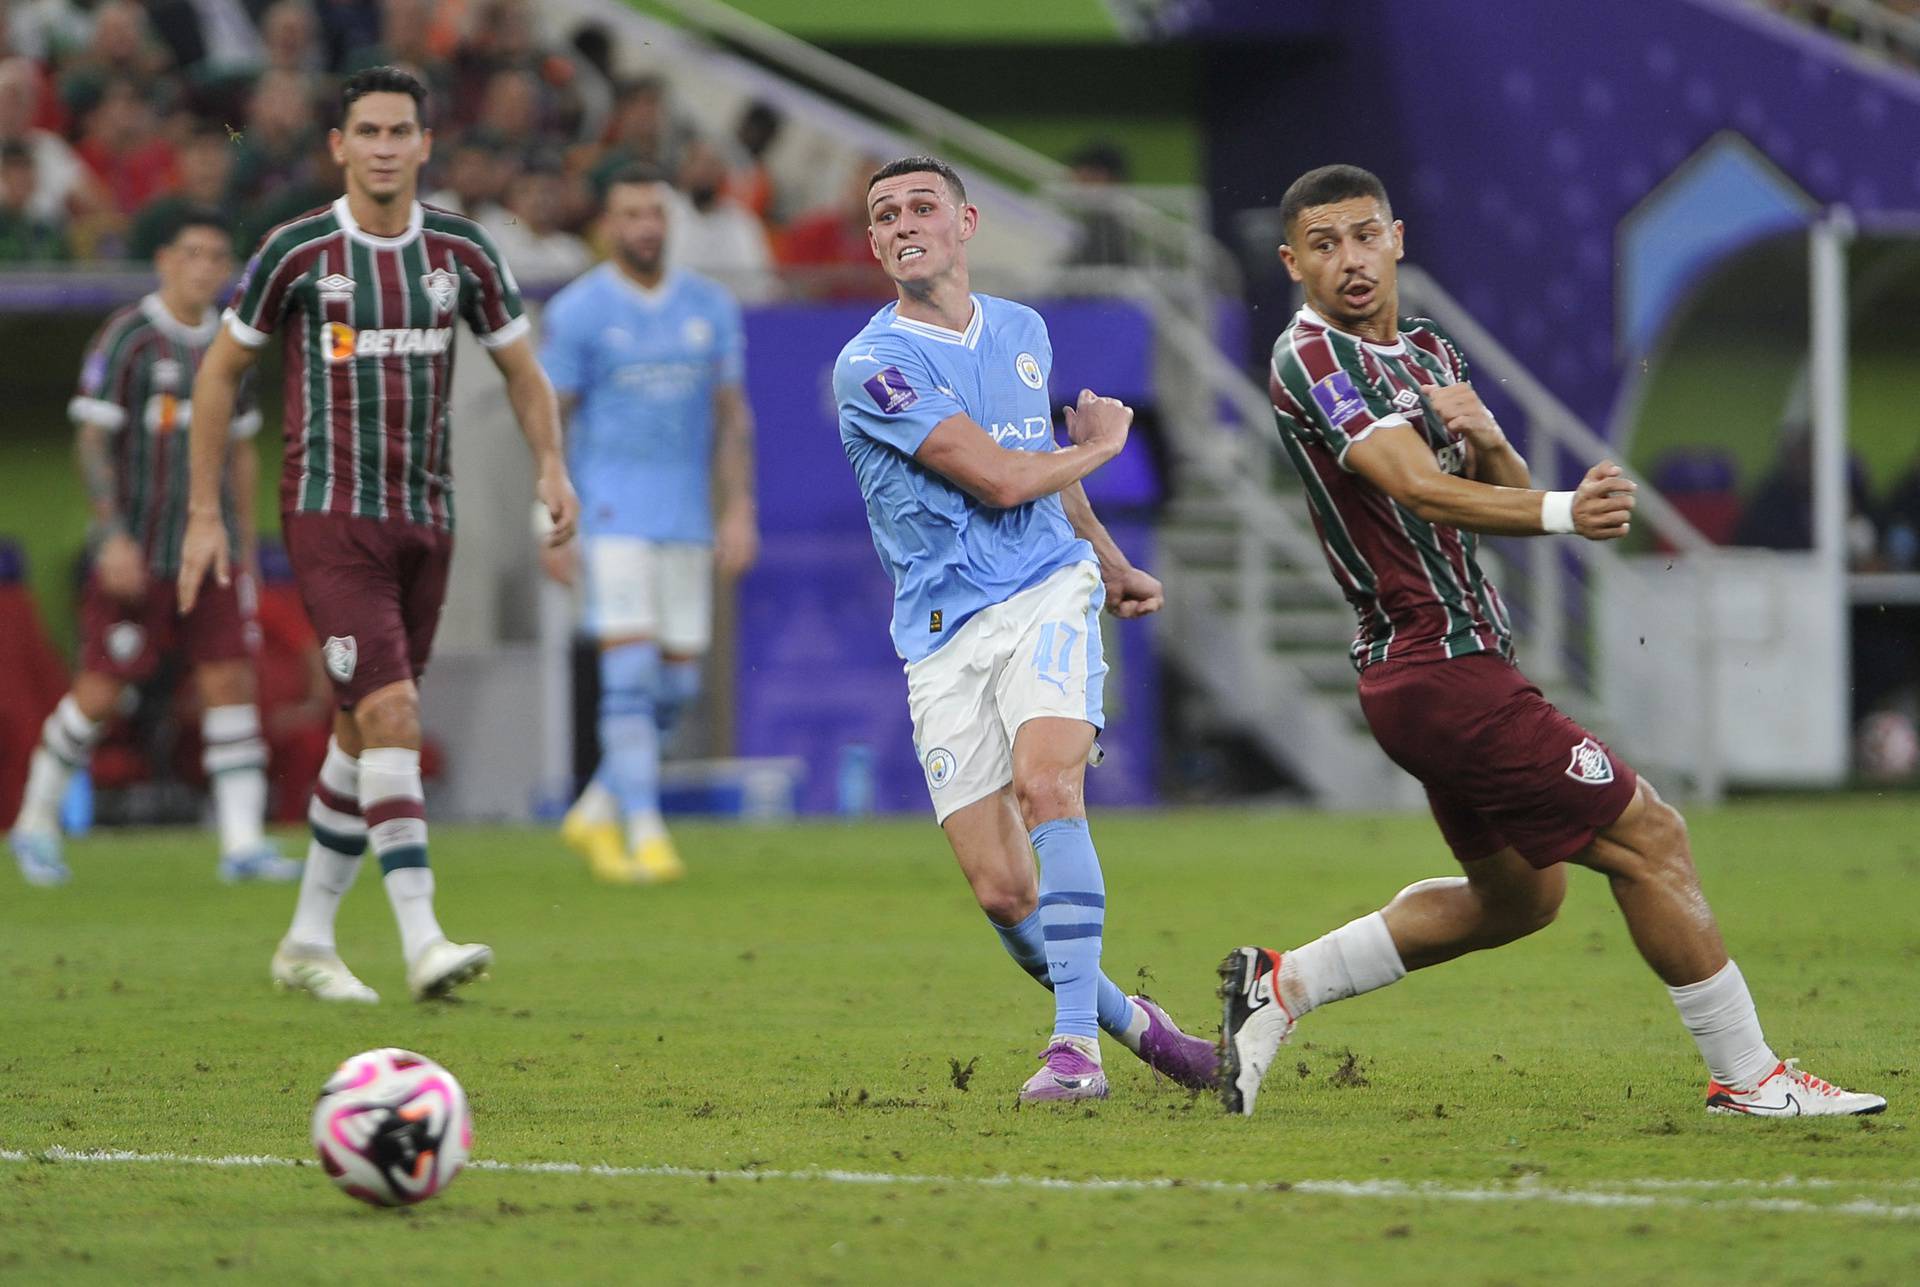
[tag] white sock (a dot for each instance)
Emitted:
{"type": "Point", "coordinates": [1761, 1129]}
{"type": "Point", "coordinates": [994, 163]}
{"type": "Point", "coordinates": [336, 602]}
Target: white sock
{"type": "Point", "coordinates": [410, 890]}
{"type": "Point", "coordinates": [236, 762]}
{"type": "Point", "coordinates": [1719, 1013]}
{"type": "Point", "coordinates": [644, 826]}
{"type": "Point", "coordinates": [596, 804]}
{"type": "Point", "coordinates": [66, 744]}
{"type": "Point", "coordinates": [393, 802]}
{"type": "Point", "coordinates": [1358, 957]}
{"type": "Point", "coordinates": [333, 855]}
{"type": "Point", "coordinates": [1136, 1027]}
{"type": "Point", "coordinates": [1088, 1046]}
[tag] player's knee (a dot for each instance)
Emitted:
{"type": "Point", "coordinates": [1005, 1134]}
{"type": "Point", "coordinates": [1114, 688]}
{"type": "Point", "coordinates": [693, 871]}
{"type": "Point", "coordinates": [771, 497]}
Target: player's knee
{"type": "Point", "coordinates": [1542, 908]}
{"type": "Point", "coordinates": [390, 717]}
{"type": "Point", "coordinates": [1046, 795]}
{"type": "Point", "coordinates": [1006, 901]}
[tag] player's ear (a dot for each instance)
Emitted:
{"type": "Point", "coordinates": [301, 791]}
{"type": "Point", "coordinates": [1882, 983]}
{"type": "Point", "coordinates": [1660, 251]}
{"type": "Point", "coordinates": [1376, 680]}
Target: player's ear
{"type": "Point", "coordinates": [873, 245]}
{"type": "Point", "coordinates": [1399, 240]}
{"type": "Point", "coordinates": [426, 144]}
{"type": "Point", "coordinates": [969, 221]}
{"type": "Point", "coordinates": [1286, 259]}
{"type": "Point", "coordinates": [336, 144]}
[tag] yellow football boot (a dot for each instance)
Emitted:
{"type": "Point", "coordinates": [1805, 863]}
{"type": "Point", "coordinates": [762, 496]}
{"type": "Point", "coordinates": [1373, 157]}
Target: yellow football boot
{"type": "Point", "coordinates": [656, 861]}
{"type": "Point", "coordinates": [602, 845]}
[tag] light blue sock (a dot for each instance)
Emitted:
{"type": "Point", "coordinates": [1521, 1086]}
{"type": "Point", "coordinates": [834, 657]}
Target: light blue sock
{"type": "Point", "coordinates": [1029, 951]}
{"type": "Point", "coordinates": [679, 685]}
{"type": "Point", "coordinates": [629, 733]}
{"type": "Point", "coordinates": [1073, 913]}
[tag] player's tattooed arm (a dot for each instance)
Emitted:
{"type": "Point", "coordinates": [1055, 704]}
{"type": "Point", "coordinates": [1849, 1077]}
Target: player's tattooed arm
{"type": "Point", "coordinates": [1130, 591]}
{"type": "Point", "coordinates": [1398, 461]}
{"type": "Point", "coordinates": [118, 560]}
{"type": "Point", "coordinates": [102, 484]}
{"type": "Point", "coordinates": [737, 534]}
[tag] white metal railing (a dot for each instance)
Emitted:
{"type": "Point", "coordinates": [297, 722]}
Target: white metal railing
{"type": "Point", "coordinates": [949, 130]}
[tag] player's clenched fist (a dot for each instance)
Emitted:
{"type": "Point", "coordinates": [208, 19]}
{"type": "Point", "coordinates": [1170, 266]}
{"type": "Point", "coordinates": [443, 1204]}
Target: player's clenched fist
{"type": "Point", "coordinates": [1461, 410]}
{"type": "Point", "coordinates": [1603, 503]}
{"type": "Point", "coordinates": [1095, 421]}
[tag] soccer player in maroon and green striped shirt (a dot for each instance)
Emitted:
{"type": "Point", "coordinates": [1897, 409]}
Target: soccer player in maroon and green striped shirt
{"type": "Point", "coordinates": [365, 294]}
{"type": "Point", "coordinates": [1405, 469]}
{"type": "Point", "coordinates": [130, 413]}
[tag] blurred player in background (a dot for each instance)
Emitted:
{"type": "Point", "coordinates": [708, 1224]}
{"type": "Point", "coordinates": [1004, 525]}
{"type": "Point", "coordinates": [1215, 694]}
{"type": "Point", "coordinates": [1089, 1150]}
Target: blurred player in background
{"type": "Point", "coordinates": [1404, 469]}
{"type": "Point", "coordinates": [1000, 570]}
{"type": "Point", "coordinates": [649, 367]}
{"type": "Point", "coordinates": [365, 293]}
{"type": "Point", "coordinates": [131, 413]}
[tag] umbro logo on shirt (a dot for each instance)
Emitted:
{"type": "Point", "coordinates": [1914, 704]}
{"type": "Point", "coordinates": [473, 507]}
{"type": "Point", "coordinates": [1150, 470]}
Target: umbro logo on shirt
{"type": "Point", "coordinates": [334, 287]}
{"type": "Point", "coordinates": [1406, 400]}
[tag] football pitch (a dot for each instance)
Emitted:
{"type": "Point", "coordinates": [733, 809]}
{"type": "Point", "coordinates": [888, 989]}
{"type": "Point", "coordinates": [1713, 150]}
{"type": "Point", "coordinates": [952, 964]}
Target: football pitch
{"type": "Point", "coordinates": [800, 1065]}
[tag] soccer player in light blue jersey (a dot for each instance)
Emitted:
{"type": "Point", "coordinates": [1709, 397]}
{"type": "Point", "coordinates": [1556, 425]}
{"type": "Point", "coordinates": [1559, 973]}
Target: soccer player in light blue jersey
{"type": "Point", "coordinates": [1000, 570]}
{"type": "Point", "coordinates": [649, 367]}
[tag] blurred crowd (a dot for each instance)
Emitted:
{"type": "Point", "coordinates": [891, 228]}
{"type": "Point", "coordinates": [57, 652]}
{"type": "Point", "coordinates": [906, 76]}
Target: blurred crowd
{"type": "Point", "coordinates": [114, 114]}
{"type": "Point", "coordinates": [1843, 21]}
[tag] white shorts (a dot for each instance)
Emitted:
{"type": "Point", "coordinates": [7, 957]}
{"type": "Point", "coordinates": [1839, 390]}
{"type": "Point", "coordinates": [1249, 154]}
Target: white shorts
{"type": "Point", "coordinates": [660, 591]}
{"type": "Point", "coordinates": [1037, 654]}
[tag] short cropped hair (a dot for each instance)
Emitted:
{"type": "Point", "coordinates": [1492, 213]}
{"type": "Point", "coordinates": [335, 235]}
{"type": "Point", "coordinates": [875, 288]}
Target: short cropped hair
{"type": "Point", "coordinates": [922, 165]}
{"type": "Point", "coordinates": [383, 80]}
{"type": "Point", "coordinates": [1328, 184]}
{"type": "Point", "coordinates": [638, 173]}
{"type": "Point", "coordinates": [196, 217]}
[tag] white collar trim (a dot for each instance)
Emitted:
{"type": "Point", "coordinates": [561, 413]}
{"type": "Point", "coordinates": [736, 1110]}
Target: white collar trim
{"type": "Point", "coordinates": [1395, 349]}
{"type": "Point", "coordinates": [161, 316]}
{"type": "Point", "coordinates": [416, 219]}
{"type": "Point", "coordinates": [652, 298]}
{"type": "Point", "coordinates": [969, 338]}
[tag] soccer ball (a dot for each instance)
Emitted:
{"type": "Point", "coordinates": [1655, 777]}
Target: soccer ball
{"type": "Point", "coordinates": [392, 1127]}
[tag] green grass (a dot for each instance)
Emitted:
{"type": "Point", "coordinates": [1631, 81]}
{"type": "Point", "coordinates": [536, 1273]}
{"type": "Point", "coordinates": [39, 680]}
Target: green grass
{"type": "Point", "coordinates": [801, 1001]}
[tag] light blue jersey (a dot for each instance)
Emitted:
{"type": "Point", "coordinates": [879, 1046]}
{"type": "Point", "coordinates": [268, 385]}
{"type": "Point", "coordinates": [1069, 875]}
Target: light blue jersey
{"type": "Point", "coordinates": [950, 555]}
{"type": "Point", "coordinates": [643, 366]}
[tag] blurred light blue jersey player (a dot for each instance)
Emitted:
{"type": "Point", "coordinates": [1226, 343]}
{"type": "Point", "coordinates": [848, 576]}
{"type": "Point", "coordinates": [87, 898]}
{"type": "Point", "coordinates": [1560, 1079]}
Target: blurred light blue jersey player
{"type": "Point", "coordinates": [649, 366]}
{"type": "Point", "coordinates": [1000, 570]}
{"type": "Point", "coordinates": [641, 368]}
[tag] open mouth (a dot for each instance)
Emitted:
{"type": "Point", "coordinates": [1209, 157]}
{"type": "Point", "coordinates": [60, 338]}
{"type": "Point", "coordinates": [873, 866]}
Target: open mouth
{"type": "Point", "coordinates": [911, 252]}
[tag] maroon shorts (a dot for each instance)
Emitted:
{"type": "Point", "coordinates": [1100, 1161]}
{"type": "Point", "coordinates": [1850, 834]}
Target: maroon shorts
{"type": "Point", "coordinates": [126, 639]}
{"type": "Point", "coordinates": [1501, 766]}
{"type": "Point", "coordinates": [373, 590]}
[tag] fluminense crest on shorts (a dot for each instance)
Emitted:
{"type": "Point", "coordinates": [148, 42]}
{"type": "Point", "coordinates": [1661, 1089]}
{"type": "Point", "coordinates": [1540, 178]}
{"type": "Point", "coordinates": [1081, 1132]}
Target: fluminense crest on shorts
{"type": "Point", "coordinates": [343, 655]}
{"type": "Point", "coordinates": [125, 639]}
{"type": "Point", "coordinates": [442, 288]}
{"type": "Point", "coordinates": [1590, 764]}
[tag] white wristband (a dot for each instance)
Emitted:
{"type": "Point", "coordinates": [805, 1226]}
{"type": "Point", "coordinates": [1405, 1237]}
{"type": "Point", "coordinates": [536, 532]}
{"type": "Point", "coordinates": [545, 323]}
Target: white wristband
{"type": "Point", "coordinates": [543, 521]}
{"type": "Point", "coordinates": [1556, 513]}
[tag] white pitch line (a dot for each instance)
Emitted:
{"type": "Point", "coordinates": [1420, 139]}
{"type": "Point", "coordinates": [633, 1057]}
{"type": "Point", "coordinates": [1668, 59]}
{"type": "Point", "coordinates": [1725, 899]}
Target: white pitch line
{"type": "Point", "coordinates": [1611, 1194]}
